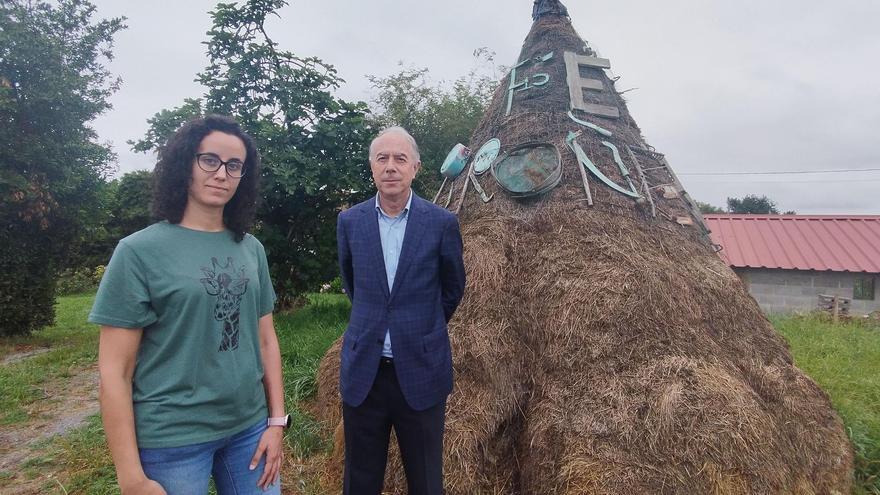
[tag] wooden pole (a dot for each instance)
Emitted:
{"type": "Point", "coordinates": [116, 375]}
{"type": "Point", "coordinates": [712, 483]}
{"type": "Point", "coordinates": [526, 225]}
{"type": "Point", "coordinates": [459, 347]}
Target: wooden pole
{"type": "Point", "coordinates": [645, 187]}
{"type": "Point", "coordinates": [463, 188]}
{"type": "Point", "coordinates": [584, 179]}
{"type": "Point", "coordinates": [835, 309]}
{"type": "Point", "coordinates": [440, 190]}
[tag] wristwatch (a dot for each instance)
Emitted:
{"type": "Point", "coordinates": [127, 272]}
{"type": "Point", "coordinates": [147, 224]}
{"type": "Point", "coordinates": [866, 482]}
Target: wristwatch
{"type": "Point", "coordinates": [283, 421]}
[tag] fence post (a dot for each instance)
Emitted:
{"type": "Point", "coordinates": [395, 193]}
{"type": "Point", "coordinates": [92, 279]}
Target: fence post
{"type": "Point", "coordinates": [836, 309]}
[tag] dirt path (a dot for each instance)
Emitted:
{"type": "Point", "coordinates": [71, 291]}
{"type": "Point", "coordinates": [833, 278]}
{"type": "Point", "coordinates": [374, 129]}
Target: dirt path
{"type": "Point", "coordinates": [21, 356]}
{"type": "Point", "coordinates": [65, 405]}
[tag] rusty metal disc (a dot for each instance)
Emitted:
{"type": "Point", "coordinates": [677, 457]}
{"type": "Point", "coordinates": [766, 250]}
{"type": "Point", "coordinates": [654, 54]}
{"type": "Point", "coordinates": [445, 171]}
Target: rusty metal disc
{"type": "Point", "coordinates": [529, 169]}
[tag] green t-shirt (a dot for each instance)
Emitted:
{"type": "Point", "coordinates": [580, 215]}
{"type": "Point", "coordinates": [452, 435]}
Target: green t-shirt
{"type": "Point", "coordinates": [198, 297]}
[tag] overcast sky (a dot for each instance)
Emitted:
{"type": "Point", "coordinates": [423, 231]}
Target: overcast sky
{"type": "Point", "coordinates": [721, 86]}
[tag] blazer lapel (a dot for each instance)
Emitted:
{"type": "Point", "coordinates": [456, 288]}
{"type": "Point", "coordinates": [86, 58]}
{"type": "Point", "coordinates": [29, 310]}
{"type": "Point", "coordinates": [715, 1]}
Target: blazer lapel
{"type": "Point", "coordinates": [371, 234]}
{"type": "Point", "coordinates": [415, 227]}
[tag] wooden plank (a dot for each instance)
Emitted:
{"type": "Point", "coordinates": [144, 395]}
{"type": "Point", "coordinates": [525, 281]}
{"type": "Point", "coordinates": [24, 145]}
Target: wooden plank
{"type": "Point", "coordinates": [440, 190]}
{"type": "Point", "coordinates": [645, 186]}
{"type": "Point", "coordinates": [836, 305]}
{"type": "Point", "coordinates": [690, 203]}
{"type": "Point", "coordinates": [601, 110]}
{"type": "Point", "coordinates": [670, 192]}
{"type": "Point", "coordinates": [577, 84]}
{"type": "Point", "coordinates": [836, 310]}
{"type": "Point", "coordinates": [591, 84]}
{"type": "Point", "coordinates": [599, 63]}
{"type": "Point", "coordinates": [586, 182]}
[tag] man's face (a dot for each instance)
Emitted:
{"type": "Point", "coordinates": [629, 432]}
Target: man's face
{"type": "Point", "coordinates": [394, 165]}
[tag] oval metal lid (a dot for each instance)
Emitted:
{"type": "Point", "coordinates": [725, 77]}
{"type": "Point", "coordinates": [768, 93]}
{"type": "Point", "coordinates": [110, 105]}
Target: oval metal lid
{"type": "Point", "coordinates": [532, 168]}
{"type": "Point", "coordinates": [455, 161]}
{"type": "Point", "coordinates": [486, 155]}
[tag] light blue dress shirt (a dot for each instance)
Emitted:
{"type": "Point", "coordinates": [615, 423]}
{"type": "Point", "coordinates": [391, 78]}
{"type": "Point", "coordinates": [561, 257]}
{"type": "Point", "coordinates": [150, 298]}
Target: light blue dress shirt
{"type": "Point", "coordinates": [391, 232]}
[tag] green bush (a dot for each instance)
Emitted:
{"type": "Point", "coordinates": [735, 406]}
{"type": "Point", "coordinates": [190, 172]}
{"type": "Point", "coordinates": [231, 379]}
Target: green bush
{"type": "Point", "coordinates": [79, 280]}
{"type": "Point", "coordinates": [334, 287]}
{"type": "Point", "coordinates": [27, 287]}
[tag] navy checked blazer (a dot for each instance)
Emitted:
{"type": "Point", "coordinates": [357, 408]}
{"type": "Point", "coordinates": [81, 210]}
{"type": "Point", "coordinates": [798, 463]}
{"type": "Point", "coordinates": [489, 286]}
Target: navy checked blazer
{"type": "Point", "coordinates": [428, 286]}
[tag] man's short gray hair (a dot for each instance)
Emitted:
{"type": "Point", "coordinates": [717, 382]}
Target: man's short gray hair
{"type": "Point", "coordinates": [399, 130]}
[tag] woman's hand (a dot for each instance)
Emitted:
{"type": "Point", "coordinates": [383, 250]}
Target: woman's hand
{"type": "Point", "coordinates": [270, 445]}
{"type": "Point", "coordinates": [272, 439]}
{"type": "Point", "coordinates": [143, 487]}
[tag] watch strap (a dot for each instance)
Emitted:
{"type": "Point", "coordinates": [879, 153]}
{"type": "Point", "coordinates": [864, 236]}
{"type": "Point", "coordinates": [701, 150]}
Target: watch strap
{"type": "Point", "coordinates": [283, 421]}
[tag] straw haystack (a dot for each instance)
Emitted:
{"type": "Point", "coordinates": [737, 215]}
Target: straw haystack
{"type": "Point", "coordinates": [606, 348]}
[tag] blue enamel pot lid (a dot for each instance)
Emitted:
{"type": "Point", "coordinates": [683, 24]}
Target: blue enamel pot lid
{"type": "Point", "coordinates": [486, 155]}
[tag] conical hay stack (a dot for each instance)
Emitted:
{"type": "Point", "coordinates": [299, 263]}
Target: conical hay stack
{"type": "Point", "coordinates": [602, 350]}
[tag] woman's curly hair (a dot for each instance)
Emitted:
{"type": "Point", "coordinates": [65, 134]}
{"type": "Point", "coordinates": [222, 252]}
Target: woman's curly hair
{"type": "Point", "coordinates": [173, 173]}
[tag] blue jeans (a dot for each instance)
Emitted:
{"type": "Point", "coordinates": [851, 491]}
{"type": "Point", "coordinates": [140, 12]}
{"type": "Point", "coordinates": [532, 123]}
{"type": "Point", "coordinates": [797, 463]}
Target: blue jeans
{"type": "Point", "coordinates": [187, 470]}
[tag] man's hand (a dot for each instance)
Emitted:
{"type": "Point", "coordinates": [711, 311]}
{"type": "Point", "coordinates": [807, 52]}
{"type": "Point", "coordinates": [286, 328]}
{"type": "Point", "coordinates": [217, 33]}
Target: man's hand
{"type": "Point", "coordinates": [143, 487]}
{"type": "Point", "coordinates": [270, 445]}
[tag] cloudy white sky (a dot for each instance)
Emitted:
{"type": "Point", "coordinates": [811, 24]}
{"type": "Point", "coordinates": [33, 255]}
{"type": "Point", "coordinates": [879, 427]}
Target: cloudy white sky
{"type": "Point", "coordinates": [787, 85]}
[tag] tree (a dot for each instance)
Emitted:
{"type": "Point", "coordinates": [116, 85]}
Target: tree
{"type": "Point", "coordinates": [131, 208]}
{"type": "Point", "coordinates": [437, 117]}
{"type": "Point", "coordinates": [709, 208]}
{"type": "Point", "coordinates": [313, 145]}
{"type": "Point", "coordinates": [94, 241]}
{"type": "Point", "coordinates": [53, 82]}
{"type": "Point", "coordinates": [124, 208]}
{"type": "Point", "coordinates": [752, 204]}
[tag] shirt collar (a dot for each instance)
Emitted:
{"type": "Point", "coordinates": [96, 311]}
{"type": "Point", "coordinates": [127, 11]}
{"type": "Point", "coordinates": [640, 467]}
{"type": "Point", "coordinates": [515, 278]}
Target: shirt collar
{"type": "Point", "coordinates": [405, 211]}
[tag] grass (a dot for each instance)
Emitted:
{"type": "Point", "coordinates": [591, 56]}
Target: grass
{"type": "Point", "coordinates": [844, 359]}
{"type": "Point", "coordinates": [72, 345]}
{"type": "Point", "coordinates": [304, 337]}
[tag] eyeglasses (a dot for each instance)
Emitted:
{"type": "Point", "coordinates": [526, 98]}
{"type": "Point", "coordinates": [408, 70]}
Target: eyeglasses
{"type": "Point", "coordinates": [209, 162]}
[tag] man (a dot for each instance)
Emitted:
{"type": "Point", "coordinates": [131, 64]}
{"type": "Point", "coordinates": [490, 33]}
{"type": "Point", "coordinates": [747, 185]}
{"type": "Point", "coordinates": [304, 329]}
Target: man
{"type": "Point", "coordinates": [401, 263]}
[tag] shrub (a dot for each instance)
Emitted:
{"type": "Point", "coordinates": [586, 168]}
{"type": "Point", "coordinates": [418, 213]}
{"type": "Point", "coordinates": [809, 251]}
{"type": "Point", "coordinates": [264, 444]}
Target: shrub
{"type": "Point", "coordinates": [335, 286]}
{"type": "Point", "coordinates": [79, 280]}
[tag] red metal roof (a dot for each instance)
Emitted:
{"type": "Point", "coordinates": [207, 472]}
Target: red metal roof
{"type": "Point", "coordinates": [799, 242]}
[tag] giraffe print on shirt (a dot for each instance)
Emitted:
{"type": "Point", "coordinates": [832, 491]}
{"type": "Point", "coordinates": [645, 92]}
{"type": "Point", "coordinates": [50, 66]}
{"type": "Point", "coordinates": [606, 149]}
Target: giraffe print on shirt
{"type": "Point", "coordinates": [228, 284]}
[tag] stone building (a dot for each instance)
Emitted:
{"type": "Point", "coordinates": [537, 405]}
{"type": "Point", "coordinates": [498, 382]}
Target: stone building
{"type": "Point", "coordinates": [787, 261]}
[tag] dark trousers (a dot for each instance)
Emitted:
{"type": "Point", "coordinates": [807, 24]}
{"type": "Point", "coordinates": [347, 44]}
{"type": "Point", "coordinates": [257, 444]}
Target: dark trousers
{"type": "Point", "coordinates": [367, 433]}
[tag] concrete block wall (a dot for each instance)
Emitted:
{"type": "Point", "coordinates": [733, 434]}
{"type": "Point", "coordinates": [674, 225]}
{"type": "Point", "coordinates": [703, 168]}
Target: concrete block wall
{"type": "Point", "coordinates": [789, 291]}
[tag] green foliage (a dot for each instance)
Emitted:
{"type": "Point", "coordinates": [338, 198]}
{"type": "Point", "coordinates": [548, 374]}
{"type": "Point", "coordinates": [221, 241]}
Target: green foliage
{"type": "Point", "coordinates": [756, 205]}
{"type": "Point", "coordinates": [844, 359]}
{"type": "Point", "coordinates": [165, 123]}
{"type": "Point", "coordinates": [335, 286]}
{"type": "Point", "coordinates": [52, 84]}
{"type": "Point", "coordinates": [708, 208]}
{"type": "Point", "coordinates": [313, 145]}
{"type": "Point", "coordinates": [304, 337]}
{"type": "Point", "coordinates": [79, 280]}
{"type": "Point", "coordinates": [437, 117]}
{"type": "Point", "coordinates": [91, 246]}
{"type": "Point", "coordinates": [124, 209]}
{"type": "Point", "coordinates": [131, 206]}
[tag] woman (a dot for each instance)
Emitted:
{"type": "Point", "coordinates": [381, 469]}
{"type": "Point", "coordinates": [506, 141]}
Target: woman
{"type": "Point", "coordinates": [189, 361]}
